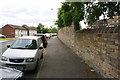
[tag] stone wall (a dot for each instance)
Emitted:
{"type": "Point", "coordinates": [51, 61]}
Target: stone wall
{"type": "Point", "coordinates": [98, 48]}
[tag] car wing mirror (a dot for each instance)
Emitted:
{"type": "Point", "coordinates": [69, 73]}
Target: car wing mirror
{"type": "Point", "coordinates": [8, 46]}
{"type": "Point", "coordinates": [40, 47]}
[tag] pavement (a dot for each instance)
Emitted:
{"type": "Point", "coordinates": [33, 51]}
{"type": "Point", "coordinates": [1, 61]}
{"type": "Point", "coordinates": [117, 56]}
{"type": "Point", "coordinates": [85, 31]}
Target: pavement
{"type": "Point", "coordinates": [61, 62]}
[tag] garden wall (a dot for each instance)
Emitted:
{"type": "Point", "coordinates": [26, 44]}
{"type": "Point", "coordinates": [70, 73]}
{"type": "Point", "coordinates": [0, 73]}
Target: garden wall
{"type": "Point", "coordinates": [99, 48]}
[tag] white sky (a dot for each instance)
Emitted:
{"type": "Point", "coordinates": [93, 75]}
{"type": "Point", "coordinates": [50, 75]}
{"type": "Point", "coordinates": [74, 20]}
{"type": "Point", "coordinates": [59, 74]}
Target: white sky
{"type": "Point", "coordinates": [29, 12]}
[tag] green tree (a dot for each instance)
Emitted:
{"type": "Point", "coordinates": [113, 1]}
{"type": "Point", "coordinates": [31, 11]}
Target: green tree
{"type": "Point", "coordinates": [45, 30]}
{"type": "Point", "coordinates": [93, 12]}
{"type": "Point", "coordinates": [54, 30]}
{"type": "Point", "coordinates": [78, 11]}
{"type": "Point", "coordinates": [70, 12]}
{"type": "Point", "coordinates": [40, 28]}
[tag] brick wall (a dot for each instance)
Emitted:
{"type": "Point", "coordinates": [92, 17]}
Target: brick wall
{"type": "Point", "coordinates": [8, 31]}
{"type": "Point", "coordinates": [98, 48]}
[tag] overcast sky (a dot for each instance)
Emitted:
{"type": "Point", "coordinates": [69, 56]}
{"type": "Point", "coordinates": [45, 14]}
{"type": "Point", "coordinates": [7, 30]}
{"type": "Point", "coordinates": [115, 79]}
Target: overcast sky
{"type": "Point", "coordinates": [29, 12]}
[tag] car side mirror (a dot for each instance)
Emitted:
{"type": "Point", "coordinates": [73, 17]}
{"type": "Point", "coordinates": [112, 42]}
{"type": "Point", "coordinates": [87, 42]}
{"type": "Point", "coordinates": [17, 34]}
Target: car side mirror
{"type": "Point", "coordinates": [8, 46]}
{"type": "Point", "coordinates": [40, 47]}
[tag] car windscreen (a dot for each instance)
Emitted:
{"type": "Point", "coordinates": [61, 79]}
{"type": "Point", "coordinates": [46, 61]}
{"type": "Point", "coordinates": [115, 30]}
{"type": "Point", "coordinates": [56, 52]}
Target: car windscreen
{"type": "Point", "coordinates": [24, 44]}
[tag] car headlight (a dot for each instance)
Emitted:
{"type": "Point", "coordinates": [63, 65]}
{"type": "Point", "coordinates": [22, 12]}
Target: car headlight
{"type": "Point", "coordinates": [30, 60]}
{"type": "Point", "coordinates": [4, 58]}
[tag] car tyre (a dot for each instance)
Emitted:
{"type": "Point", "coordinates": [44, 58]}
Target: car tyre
{"type": "Point", "coordinates": [36, 67]}
{"type": "Point", "coordinates": [45, 45]}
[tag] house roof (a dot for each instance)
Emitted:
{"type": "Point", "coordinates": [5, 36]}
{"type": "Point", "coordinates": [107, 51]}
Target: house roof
{"type": "Point", "coordinates": [22, 27]}
{"type": "Point", "coordinates": [30, 27]}
{"type": "Point", "coordinates": [16, 26]}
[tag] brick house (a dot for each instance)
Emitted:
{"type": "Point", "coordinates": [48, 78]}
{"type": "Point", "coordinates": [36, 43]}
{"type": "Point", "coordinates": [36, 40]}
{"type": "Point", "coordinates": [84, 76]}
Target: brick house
{"type": "Point", "coordinates": [100, 23]}
{"type": "Point", "coordinates": [31, 31]}
{"type": "Point", "coordinates": [12, 31]}
{"type": "Point", "coordinates": [114, 21]}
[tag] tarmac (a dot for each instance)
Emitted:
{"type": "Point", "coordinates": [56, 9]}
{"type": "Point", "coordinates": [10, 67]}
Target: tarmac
{"type": "Point", "coordinates": [61, 62]}
{"type": "Point", "coordinates": [1, 41]}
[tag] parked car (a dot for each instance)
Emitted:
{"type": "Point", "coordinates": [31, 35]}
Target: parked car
{"type": "Point", "coordinates": [10, 73]}
{"type": "Point", "coordinates": [24, 54]}
{"type": "Point", "coordinates": [43, 38]}
{"type": "Point", "coordinates": [54, 34]}
{"type": "Point", "coordinates": [88, 27]}
{"type": "Point", "coordinates": [2, 36]}
{"type": "Point", "coordinates": [48, 35]}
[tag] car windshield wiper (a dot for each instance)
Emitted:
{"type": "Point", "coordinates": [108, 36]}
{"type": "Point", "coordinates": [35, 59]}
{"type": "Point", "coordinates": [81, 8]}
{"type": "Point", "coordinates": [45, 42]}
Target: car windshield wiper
{"type": "Point", "coordinates": [18, 48]}
{"type": "Point", "coordinates": [31, 48]}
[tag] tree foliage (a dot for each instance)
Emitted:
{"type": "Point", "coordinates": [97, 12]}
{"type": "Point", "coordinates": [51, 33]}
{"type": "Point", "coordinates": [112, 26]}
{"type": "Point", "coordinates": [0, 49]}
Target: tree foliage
{"type": "Point", "coordinates": [70, 12]}
{"type": "Point", "coordinates": [78, 11]}
{"type": "Point", "coordinates": [64, 15]}
{"type": "Point", "coordinates": [107, 9]}
{"type": "Point", "coordinates": [42, 29]}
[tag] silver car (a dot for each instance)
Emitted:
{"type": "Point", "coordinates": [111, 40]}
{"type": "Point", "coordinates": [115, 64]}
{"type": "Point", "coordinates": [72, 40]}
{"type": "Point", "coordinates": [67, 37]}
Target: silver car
{"type": "Point", "coordinates": [2, 36]}
{"type": "Point", "coordinates": [24, 54]}
{"type": "Point", "coordinates": [10, 73]}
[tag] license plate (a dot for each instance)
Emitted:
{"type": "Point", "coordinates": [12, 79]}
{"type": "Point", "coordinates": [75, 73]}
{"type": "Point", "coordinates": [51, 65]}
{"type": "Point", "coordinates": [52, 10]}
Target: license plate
{"type": "Point", "coordinates": [19, 68]}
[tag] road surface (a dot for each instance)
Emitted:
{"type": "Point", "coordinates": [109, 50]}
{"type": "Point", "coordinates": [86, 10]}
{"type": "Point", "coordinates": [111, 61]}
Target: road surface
{"type": "Point", "coordinates": [3, 46]}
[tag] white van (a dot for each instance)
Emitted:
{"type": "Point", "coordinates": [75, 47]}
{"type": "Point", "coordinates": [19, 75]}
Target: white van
{"type": "Point", "coordinates": [24, 54]}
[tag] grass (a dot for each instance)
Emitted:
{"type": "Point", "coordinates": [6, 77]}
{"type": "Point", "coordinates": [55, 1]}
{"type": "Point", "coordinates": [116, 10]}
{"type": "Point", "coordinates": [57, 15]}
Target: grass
{"type": "Point", "coordinates": [5, 38]}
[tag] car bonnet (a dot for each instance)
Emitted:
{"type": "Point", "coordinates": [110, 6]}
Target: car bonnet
{"type": "Point", "coordinates": [19, 53]}
{"type": "Point", "coordinates": [6, 72]}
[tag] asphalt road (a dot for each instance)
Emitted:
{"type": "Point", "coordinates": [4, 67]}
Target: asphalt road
{"type": "Point", "coordinates": [3, 46]}
{"type": "Point", "coordinates": [59, 62]}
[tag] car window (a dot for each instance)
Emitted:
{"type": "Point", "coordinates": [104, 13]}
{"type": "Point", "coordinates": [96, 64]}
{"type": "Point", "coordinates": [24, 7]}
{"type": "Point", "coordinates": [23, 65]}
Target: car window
{"type": "Point", "coordinates": [24, 44]}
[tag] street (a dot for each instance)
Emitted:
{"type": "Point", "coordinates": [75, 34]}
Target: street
{"type": "Point", "coordinates": [59, 62]}
{"type": "Point", "coordinates": [3, 46]}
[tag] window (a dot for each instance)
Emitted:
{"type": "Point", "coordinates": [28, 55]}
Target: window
{"type": "Point", "coordinates": [16, 32]}
{"type": "Point", "coordinates": [21, 32]}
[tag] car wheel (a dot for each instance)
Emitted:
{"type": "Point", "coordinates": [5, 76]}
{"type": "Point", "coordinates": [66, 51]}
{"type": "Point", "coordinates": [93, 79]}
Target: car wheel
{"type": "Point", "coordinates": [36, 67]}
{"type": "Point", "coordinates": [45, 46]}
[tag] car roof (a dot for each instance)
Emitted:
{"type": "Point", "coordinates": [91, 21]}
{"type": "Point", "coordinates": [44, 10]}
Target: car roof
{"type": "Point", "coordinates": [29, 37]}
